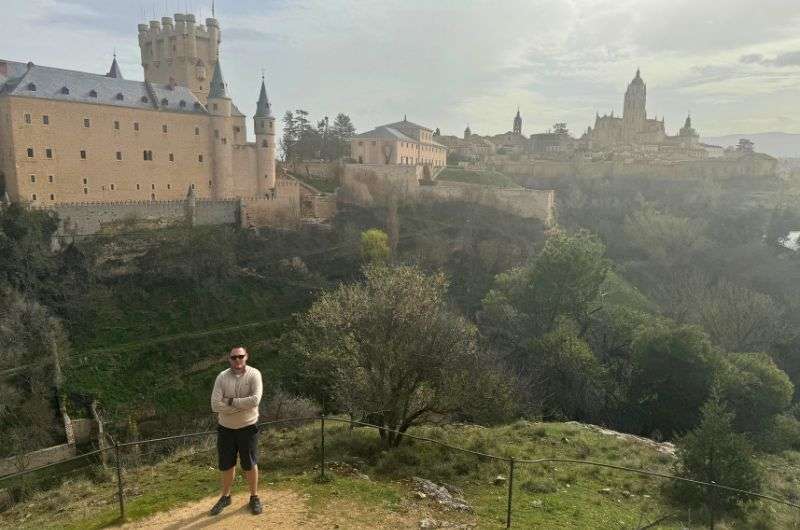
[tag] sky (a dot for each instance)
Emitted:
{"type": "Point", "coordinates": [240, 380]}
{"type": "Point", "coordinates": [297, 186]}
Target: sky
{"type": "Point", "coordinates": [734, 64]}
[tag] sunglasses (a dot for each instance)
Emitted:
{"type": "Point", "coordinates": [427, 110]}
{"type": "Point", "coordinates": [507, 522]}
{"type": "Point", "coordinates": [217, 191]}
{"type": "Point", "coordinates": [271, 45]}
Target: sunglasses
{"type": "Point", "coordinates": [237, 357]}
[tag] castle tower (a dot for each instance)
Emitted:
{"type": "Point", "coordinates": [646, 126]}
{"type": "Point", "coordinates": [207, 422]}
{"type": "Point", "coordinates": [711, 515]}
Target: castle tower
{"type": "Point", "coordinates": [518, 124]}
{"type": "Point", "coordinates": [467, 133]}
{"type": "Point", "coordinates": [182, 52]}
{"type": "Point", "coordinates": [264, 126]}
{"type": "Point", "coordinates": [219, 107]}
{"type": "Point", "coordinates": [634, 113]}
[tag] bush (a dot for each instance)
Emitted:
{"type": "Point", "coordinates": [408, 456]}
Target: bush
{"type": "Point", "coordinates": [781, 434]}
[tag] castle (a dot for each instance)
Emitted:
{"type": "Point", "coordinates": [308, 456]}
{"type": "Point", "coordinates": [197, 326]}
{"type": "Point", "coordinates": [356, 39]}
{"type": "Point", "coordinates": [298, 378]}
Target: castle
{"type": "Point", "coordinates": [68, 136]}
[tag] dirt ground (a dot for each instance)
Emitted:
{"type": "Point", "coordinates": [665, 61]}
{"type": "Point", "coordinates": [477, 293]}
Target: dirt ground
{"type": "Point", "coordinates": [284, 509]}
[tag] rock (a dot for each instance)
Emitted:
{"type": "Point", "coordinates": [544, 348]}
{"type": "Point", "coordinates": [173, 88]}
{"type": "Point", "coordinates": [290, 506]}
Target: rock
{"type": "Point", "coordinates": [429, 523]}
{"type": "Point", "coordinates": [420, 495]}
{"type": "Point", "coordinates": [537, 504]}
{"type": "Point", "coordinates": [440, 494]}
{"type": "Point", "coordinates": [606, 491]}
{"type": "Point", "coordinates": [499, 480]}
{"type": "Point", "coordinates": [626, 494]}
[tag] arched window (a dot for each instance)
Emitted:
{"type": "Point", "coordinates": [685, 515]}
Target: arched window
{"type": "Point", "coordinates": [31, 87]}
{"type": "Point", "coordinates": [93, 93]}
{"type": "Point", "coordinates": [119, 96]}
{"type": "Point", "coordinates": [144, 99]}
{"type": "Point", "coordinates": [164, 101]}
{"type": "Point", "coordinates": [182, 104]}
{"type": "Point", "coordinates": [64, 90]}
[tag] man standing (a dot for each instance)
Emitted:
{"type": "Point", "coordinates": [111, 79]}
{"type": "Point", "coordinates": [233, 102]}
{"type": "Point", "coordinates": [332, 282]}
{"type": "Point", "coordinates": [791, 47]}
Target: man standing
{"type": "Point", "coordinates": [235, 398]}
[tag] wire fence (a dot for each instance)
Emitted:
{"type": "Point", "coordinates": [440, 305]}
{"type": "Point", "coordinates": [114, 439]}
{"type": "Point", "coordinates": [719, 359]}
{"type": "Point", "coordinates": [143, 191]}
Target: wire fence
{"type": "Point", "coordinates": [138, 453]}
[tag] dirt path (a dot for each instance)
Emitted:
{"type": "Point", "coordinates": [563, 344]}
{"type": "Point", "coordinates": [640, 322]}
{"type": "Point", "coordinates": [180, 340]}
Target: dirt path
{"type": "Point", "coordinates": [283, 509]}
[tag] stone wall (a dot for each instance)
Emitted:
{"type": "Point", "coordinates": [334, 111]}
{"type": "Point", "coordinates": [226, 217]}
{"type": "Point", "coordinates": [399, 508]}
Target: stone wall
{"type": "Point", "coordinates": [42, 457]}
{"type": "Point", "coordinates": [532, 204]}
{"type": "Point", "coordinates": [81, 219]}
{"type": "Point", "coordinates": [368, 184]}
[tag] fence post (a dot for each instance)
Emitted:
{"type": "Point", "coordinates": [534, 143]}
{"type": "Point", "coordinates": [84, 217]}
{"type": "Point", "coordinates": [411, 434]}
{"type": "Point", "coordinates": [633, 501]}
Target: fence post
{"type": "Point", "coordinates": [712, 522]}
{"type": "Point", "coordinates": [119, 482]}
{"type": "Point", "coordinates": [510, 490]}
{"type": "Point", "coordinates": [322, 444]}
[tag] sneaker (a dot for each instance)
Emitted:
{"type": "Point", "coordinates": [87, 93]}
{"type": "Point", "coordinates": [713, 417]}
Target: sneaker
{"type": "Point", "coordinates": [255, 505]}
{"type": "Point", "coordinates": [223, 501]}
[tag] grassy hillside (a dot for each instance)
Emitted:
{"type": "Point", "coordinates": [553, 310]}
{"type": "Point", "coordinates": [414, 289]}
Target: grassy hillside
{"type": "Point", "coordinates": [483, 176]}
{"type": "Point", "coordinates": [545, 496]}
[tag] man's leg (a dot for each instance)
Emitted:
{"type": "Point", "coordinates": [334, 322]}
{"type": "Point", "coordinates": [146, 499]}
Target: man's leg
{"type": "Point", "coordinates": [227, 480]}
{"type": "Point", "coordinates": [252, 480]}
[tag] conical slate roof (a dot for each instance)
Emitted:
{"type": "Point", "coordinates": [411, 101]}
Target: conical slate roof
{"type": "Point", "coordinates": [114, 71]}
{"type": "Point", "coordinates": [263, 107]}
{"type": "Point", "coordinates": [217, 88]}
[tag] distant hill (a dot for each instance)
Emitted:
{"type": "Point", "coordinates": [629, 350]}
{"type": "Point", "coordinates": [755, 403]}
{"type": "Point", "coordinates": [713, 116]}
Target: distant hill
{"type": "Point", "coordinates": [777, 144]}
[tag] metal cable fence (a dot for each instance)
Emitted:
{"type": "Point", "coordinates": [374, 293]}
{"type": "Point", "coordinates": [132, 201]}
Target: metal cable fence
{"type": "Point", "coordinates": [124, 470]}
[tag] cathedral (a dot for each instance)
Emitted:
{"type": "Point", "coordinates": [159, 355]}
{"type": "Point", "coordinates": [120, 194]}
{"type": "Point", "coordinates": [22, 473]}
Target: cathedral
{"type": "Point", "coordinates": [635, 129]}
{"type": "Point", "coordinates": [68, 136]}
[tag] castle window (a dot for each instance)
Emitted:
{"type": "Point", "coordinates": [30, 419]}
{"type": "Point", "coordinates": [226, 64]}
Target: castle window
{"type": "Point", "coordinates": [27, 118]}
{"type": "Point", "coordinates": [224, 140]}
{"type": "Point", "coordinates": [216, 133]}
{"type": "Point", "coordinates": [116, 125]}
{"type": "Point", "coordinates": [172, 157]}
{"type": "Point", "coordinates": [164, 128]}
{"type": "Point", "coordinates": [33, 179]}
{"type": "Point", "coordinates": [119, 155]}
{"type": "Point", "coordinates": [50, 178]}
{"type": "Point", "coordinates": [31, 87]}
{"type": "Point", "coordinates": [182, 104]}
{"type": "Point", "coordinates": [138, 187]}
{"type": "Point", "coordinates": [45, 120]}
{"type": "Point", "coordinates": [33, 196]}
{"type": "Point", "coordinates": [30, 152]}
{"type": "Point", "coordinates": [64, 90]}
{"type": "Point", "coordinates": [215, 106]}
{"type": "Point", "coordinates": [165, 102]}
{"type": "Point", "coordinates": [52, 197]}
{"type": "Point", "coordinates": [85, 181]}
{"type": "Point", "coordinates": [136, 126]}
{"type": "Point", "coordinates": [119, 96]}
{"type": "Point", "coordinates": [152, 196]}
{"type": "Point", "coordinates": [93, 93]}
{"type": "Point", "coordinates": [112, 187]}
{"type": "Point", "coordinates": [86, 122]}
{"type": "Point", "coordinates": [86, 191]}
{"type": "Point", "coordinates": [148, 155]}
{"type": "Point", "coordinates": [193, 185]}
{"type": "Point", "coordinates": [209, 184]}
{"type": "Point", "coordinates": [144, 99]}
{"type": "Point", "coordinates": [197, 131]}
{"type": "Point", "coordinates": [48, 153]}
{"type": "Point", "coordinates": [200, 158]}
{"type": "Point", "coordinates": [169, 186]}
{"type": "Point", "coordinates": [236, 129]}
{"type": "Point", "coordinates": [83, 155]}
{"type": "Point", "coordinates": [152, 186]}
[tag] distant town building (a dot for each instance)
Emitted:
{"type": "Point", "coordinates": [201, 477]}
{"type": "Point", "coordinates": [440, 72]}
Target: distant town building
{"type": "Point", "coordinates": [745, 146]}
{"type": "Point", "coordinates": [401, 143]}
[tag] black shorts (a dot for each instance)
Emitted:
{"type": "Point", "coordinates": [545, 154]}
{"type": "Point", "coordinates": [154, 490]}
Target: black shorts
{"type": "Point", "coordinates": [243, 441]}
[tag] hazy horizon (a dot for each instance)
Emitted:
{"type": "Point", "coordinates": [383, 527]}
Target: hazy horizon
{"type": "Point", "coordinates": [735, 68]}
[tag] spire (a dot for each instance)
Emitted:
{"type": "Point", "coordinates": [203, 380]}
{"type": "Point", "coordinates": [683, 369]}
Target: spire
{"type": "Point", "coordinates": [263, 107]}
{"type": "Point", "coordinates": [638, 73]}
{"type": "Point", "coordinates": [217, 87]}
{"type": "Point", "coordinates": [114, 71]}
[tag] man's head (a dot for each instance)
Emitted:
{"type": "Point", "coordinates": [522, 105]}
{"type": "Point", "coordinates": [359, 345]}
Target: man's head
{"type": "Point", "coordinates": [238, 359]}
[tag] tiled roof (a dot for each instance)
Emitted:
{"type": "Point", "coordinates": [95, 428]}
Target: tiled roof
{"type": "Point", "coordinates": [70, 85]}
{"type": "Point", "coordinates": [387, 132]}
{"type": "Point", "coordinates": [406, 123]}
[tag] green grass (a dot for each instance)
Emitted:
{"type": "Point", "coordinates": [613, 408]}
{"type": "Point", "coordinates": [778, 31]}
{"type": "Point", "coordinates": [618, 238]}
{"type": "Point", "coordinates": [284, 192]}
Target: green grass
{"type": "Point", "coordinates": [545, 495]}
{"type": "Point", "coordinates": [485, 177]}
{"type": "Point", "coordinates": [322, 184]}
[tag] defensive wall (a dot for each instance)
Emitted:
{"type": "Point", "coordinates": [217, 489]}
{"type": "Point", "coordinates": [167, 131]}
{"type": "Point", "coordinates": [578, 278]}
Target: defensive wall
{"type": "Point", "coordinates": [369, 185]}
{"type": "Point", "coordinates": [83, 429]}
{"type": "Point", "coordinates": [87, 218]}
{"type": "Point", "coordinates": [757, 165]}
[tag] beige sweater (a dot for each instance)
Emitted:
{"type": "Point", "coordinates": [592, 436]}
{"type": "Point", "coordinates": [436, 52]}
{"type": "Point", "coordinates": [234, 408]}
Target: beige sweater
{"type": "Point", "coordinates": [245, 389]}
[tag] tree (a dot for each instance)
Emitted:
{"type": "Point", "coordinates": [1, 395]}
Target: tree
{"type": "Point", "coordinates": [341, 132]}
{"type": "Point", "coordinates": [290, 136]}
{"type": "Point", "coordinates": [713, 452]}
{"type": "Point", "coordinates": [375, 246]}
{"type": "Point", "coordinates": [563, 280]}
{"type": "Point", "coordinates": [754, 388]}
{"type": "Point", "coordinates": [673, 369]}
{"type": "Point", "coordinates": [666, 238]}
{"type": "Point", "coordinates": [389, 349]}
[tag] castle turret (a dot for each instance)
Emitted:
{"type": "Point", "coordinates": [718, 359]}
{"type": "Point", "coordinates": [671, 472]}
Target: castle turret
{"type": "Point", "coordinates": [219, 107]}
{"type": "Point", "coordinates": [264, 125]}
{"type": "Point", "coordinates": [518, 123]}
{"type": "Point", "coordinates": [467, 133]}
{"type": "Point", "coordinates": [114, 71]}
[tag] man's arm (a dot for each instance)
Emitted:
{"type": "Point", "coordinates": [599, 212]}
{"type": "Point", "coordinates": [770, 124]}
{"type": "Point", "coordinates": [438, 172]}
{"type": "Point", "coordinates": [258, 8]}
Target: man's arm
{"type": "Point", "coordinates": [219, 403]}
{"type": "Point", "coordinates": [253, 399]}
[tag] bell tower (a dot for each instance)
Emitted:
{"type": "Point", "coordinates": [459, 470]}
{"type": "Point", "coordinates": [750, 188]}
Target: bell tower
{"type": "Point", "coordinates": [264, 125]}
{"type": "Point", "coordinates": [180, 51]}
{"type": "Point", "coordinates": [634, 111]}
